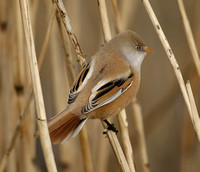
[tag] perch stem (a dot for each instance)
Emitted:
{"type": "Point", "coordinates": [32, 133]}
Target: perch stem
{"type": "Point", "coordinates": [37, 90]}
{"type": "Point", "coordinates": [171, 56]}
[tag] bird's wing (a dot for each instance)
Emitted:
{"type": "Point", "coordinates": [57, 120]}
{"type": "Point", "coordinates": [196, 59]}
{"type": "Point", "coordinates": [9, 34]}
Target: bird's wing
{"type": "Point", "coordinates": [79, 83]}
{"type": "Point", "coordinates": [107, 91]}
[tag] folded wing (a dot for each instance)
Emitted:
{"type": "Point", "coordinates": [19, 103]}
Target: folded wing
{"type": "Point", "coordinates": [107, 92]}
{"type": "Point", "coordinates": [79, 83]}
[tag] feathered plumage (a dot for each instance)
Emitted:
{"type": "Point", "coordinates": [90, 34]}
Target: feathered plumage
{"type": "Point", "coordinates": [103, 88]}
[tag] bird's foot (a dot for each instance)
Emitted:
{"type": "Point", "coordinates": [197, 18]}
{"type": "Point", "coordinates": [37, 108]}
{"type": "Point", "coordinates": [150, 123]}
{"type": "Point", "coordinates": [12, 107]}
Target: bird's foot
{"type": "Point", "coordinates": [110, 127]}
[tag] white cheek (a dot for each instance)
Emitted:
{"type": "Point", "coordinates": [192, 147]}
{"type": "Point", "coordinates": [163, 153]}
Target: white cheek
{"type": "Point", "coordinates": [135, 59]}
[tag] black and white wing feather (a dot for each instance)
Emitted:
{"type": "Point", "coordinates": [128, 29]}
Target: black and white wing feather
{"type": "Point", "coordinates": [107, 92]}
{"type": "Point", "coordinates": [79, 83]}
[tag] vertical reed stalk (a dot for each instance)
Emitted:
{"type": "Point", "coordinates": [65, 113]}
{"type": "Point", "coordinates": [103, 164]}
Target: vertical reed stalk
{"type": "Point", "coordinates": [117, 150]}
{"type": "Point", "coordinates": [71, 149]}
{"type": "Point", "coordinates": [83, 133]}
{"type": "Point", "coordinates": [128, 10]}
{"type": "Point", "coordinates": [23, 114]}
{"type": "Point", "coordinates": [128, 151]}
{"type": "Point", "coordinates": [189, 36]}
{"type": "Point", "coordinates": [137, 115]}
{"type": "Point", "coordinates": [42, 123]}
{"type": "Point", "coordinates": [172, 60]}
{"type": "Point", "coordinates": [46, 40]}
{"type": "Point", "coordinates": [6, 82]}
{"type": "Point", "coordinates": [26, 143]}
{"type": "Point", "coordinates": [72, 36]}
{"type": "Point", "coordinates": [139, 127]}
{"type": "Point", "coordinates": [11, 144]}
{"type": "Point", "coordinates": [104, 20]}
{"type": "Point", "coordinates": [194, 115]}
{"type": "Point", "coordinates": [103, 158]}
{"type": "Point", "coordinates": [123, 123]}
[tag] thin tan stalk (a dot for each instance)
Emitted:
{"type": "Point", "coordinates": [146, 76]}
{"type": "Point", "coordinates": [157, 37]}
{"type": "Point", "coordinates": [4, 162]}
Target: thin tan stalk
{"type": "Point", "coordinates": [17, 130]}
{"type": "Point", "coordinates": [189, 36]}
{"type": "Point", "coordinates": [188, 144]}
{"type": "Point", "coordinates": [47, 36]}
{"type": "Point", "coordinates": [128, 10]}
{"type": "Point", "coordinates": [85, 146]}
{"type": "Point", "coordinates": [122, 115]}
{"type": "Point", "coordinates": [169, 53]}
{"type": "Point", "coordinates": [153, 118]}
{"type": "Point", "coordinates": [117, 149]}
{"type": "Point", "coordinates": [39, 102]}
{"type": "Point", "coordinates": [137, 115]}
{"type": "Point", "coordinates": [34, 5]}
{"type": "Point", "coordinates": [69, 60]}
{"type": "Point", "coordinates": [61, 83]}
{"type": "Point", "coordinates": [196, 26]}
{"type": "Point", "coordinates": [67, 23]}
{"type": "Point", "coordinates": [188, 135]}
{"type": "Point", "coordinates": [104, 20]}
{"type": "Point", "coordinates": [7, 116]}
{"type": "Point", "coordinates": [6, 105]}
{"type": "Point", "coordinates": [123, 123]}
{"type": "Point", "coordinates": [103, 158]}
{"type": "Point", "coordinates": [11, 144]}
{"type": "Point", "coordinates": [138, 123]}
{"type": "Point", "coordinates": [118, 25]}
{"type": "Point", "coordinates": [83, 133]}
{"type": "Point", "coordinates": [25, 144]}
{"type": "Point", "coordinates": [194, 115]}
{"type": "Point", "coordinates": [87, 158]}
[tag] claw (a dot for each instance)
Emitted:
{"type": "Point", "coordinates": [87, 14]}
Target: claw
{"type": "Point", "coordinates": [110, 127]}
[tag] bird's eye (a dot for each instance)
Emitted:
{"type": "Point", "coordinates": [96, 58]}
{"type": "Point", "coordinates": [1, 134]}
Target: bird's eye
{"type": "Point", "coordinates": [137, 47]}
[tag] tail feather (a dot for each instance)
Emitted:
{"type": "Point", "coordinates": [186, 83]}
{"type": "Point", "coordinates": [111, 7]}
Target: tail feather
{"type": "Point", "coordinates": [64, 126]}
{"type": "Point", "coordinates": [79, 126]}
{"type": "Point", "coordinates": [59, 134]}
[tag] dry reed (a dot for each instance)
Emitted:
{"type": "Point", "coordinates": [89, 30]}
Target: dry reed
{"type": "Point", "coordinates": [83, 133]}
{"type": "Point", "coordinates": [167, 100]}
{"type": "Point", "coordinates": [14, 108]}
{"type": "Point", "coordinates": [122, 116]}
{"type": "Point", "coordinates": [194, 114]}
{"type": "Point", "coordinates": [128, 151]}
{"type": "Point", "coordinates": [139, 127]}
{"type": "Point", "coordinates": [67, 23]}
{"type": "Point", "coordinates": [60, 85]}
{"type": "Point", "coordinates": [17, 130]}
{"type": "Point", "coordinates": [137, 115]}
{"type": "Point", "coordinates": [5, 158]}
{"type": "Point", "coordinates": [47, 36]}
{"type": "Point", "coordinates": [189, 36]}
{"type": "Point", "coordinates": [188, 135]}
{"type": "Point", "coordinates": [174, 63]}
{"type": "Point", "coordinates": [42, 122]}
{"type": "Point", "coordinates": [117, 149]}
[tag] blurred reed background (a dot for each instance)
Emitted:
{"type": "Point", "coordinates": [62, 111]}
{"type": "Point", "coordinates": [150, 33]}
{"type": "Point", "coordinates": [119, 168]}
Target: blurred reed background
{"type": "Point", "coordinates": [171, 142]}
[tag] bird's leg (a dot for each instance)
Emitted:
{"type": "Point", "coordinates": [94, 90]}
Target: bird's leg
{"type": "Point", "coordinates": [110, 127]}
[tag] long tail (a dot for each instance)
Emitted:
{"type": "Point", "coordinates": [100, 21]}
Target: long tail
{"type": "Point", "coordinates": [64, 126]}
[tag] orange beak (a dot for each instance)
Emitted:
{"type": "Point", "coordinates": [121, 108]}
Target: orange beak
{"type": "Point", "coordinates": [148, 51]}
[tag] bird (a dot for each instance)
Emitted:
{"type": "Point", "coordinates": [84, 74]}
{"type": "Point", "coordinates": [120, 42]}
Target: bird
{"type": "Point", "coordinates": [104, 87]}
